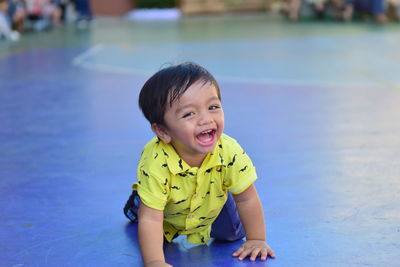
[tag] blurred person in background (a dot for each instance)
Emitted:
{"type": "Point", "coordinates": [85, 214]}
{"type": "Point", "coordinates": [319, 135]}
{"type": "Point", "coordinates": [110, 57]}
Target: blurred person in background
{"type": "Point", "coordinates": [5, 28]}
{"type": "Point", "coordinates": [365, 8]}
{"type": "Point", "coordinates": [393, 10]}
{"type": "Point", "coordinates": [291, 9]}
{"type": "Point", "coordinates": [17, 13]}
{"type": "Point", "coordinates": [43, 9]}
{"type": "Point", "coordinates": [62, 6]}
{"type": "Point", "coordinates": [84, 12]}
{"type": "Point", "coordinates": [318, 7]}
{"type": "Point", "coordinates": [59, 4]}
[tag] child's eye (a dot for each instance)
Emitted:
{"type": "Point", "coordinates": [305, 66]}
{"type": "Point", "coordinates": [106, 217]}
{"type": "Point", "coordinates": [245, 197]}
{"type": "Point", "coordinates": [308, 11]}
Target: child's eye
{"type": "Point", "coordinates": [213, 107]}
{"type": "Point", "coordinates": [188, 114]}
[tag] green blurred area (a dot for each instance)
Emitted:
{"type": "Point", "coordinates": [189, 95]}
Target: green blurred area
{"type": "Point", "coordinates": [155, 3]}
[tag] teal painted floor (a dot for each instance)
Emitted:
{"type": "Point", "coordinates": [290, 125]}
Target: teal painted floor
{"type": "Point", "coordinates": [316, 106]}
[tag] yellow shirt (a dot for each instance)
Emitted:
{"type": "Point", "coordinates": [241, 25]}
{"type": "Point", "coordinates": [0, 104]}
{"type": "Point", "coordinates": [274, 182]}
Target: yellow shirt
{"type": "Point", "coordinates": [192, 197]}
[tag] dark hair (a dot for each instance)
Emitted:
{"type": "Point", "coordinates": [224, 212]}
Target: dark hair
{"type": "Point", "coordinates": [168, 85]}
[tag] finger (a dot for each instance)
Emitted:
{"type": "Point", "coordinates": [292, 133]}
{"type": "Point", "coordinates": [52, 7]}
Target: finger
{"type": "Point", "coordinates": [264, 254]}
{"type": "Point", "coordinates": [238, 251]}
{"type": "Point", "coordinates": [246, 252]}
{"type": "Point", "coordinates": [254, 253]}
{"type": "Point", "coordinates": [271, 253]}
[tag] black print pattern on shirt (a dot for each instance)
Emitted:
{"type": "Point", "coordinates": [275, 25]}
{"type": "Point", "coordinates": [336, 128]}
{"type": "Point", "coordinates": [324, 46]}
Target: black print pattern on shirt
{"type": "Point", "coordinates": [156, 156]}
{"type": "Point", "coordinates": [230, 164]}
{"type": "Point", "coordinates": [202, 239]}
{"type": "Point", "coordinates": [196, 209]}
{"type": "Point", "coordinates": [221, 195]}
{"type": "Point", "coordinates": [175, 214]}
{"type": "Point", "coordinates": [181, 201]}
{"type": "Point", "coordinates": [219, 170]}
{"type": "Point", "coordinates": [209, 170]}
{"type": "Point", "coordinates": [190, 173]}
{"type": "Point", "coordinates": [145, 173]}
{"type": "Point", "coordinates": [164, 165]}
{"type": "Point", "coordinates": [206, 194]}
{"type": "Point", "coordinates": [166, 181]}
{"type": "Point", "coordinates": [182, 174]}
{"type": "Point", "coordinates": [165, 153]}
{"type": "Point", "coordinates": [220, 146]}
{"type": "Point", "coordinates": [221, 158]}
{"type": "Point", "coordinates": [180, 164]}
{"type": "Point", "coordinates": [175, 187]}
{"type": "Point", "coordinates": [205, 218]}
{"type": "Point", "coordinates": [242, 170]}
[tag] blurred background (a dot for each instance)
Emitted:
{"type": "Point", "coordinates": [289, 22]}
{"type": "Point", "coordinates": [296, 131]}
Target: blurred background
{"type": "Point", "coordinates": [17, 16]}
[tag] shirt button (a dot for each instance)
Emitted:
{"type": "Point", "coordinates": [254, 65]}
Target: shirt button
{"type": "Point", "coordinates": [190, 216]}
{"type": "Point", "coordinates": [195, 195]}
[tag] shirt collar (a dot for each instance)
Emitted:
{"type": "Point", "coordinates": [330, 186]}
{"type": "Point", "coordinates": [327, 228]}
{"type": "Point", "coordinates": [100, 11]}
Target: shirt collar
{"type": "Point", "coordinates": [177, 165]}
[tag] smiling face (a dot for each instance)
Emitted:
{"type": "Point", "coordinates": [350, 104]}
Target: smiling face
{"type": "Point", "coordinates": [193, 123]}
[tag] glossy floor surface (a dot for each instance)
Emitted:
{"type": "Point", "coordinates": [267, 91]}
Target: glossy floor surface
{"type": "Point", "coordinates": [316, 106]}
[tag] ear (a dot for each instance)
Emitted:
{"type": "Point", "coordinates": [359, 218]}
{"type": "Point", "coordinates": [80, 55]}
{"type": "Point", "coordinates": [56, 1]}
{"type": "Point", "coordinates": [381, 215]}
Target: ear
{"type": "Point", "coordinates": [161, 132]}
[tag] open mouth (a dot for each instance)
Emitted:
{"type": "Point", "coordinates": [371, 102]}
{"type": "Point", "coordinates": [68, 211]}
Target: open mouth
{"type": "Point", "coordinates": [206, 138]}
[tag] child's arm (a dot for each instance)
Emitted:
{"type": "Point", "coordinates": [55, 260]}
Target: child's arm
{"type": "Point", "coordinates": [151, 236]}
{"type": "Point", "coordinates": [251, 214]}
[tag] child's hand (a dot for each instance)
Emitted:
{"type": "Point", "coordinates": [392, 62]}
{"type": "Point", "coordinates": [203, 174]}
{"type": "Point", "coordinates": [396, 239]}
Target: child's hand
{"type": "Point", "coordinates": [254, 248]}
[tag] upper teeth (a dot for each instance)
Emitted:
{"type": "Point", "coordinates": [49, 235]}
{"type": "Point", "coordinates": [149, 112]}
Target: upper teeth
{"type": "Point", "coordinates": [206, 132]}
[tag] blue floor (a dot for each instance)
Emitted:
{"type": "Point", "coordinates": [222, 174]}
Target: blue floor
{"type": "Point", "coordinates": [316, 106]}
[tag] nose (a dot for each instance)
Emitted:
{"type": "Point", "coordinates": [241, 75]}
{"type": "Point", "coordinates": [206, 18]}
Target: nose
{"type": "Point", "coordinates": [205, 118]}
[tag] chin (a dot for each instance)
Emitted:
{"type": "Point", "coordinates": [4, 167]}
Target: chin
{"type": "Point", "coordinates": [207, 149]}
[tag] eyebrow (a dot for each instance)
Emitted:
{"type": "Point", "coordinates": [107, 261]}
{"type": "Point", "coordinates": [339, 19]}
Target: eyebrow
{"type": "Point", "coordinates": [179, 109]}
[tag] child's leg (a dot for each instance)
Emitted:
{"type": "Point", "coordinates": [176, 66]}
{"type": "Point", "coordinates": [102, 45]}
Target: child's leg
{"type": "Point", "coordinates": [228, 226]}
{"type": "Point", "coordinates": [132, 206]}
{"type": "Point", "coordinates": [131, 209]}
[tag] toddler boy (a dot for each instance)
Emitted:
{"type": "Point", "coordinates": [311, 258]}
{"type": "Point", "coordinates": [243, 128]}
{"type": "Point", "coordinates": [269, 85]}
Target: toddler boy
{"type": "Point", "coordinates": [191, 174]}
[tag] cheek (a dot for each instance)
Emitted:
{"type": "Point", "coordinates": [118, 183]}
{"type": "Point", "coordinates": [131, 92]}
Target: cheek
{"type": "Point", "coordinates": [221, 126]}
{"type": "Point", "coordinates": [221, 121]}
{"type": "Point", "coordinates": [184, 130]}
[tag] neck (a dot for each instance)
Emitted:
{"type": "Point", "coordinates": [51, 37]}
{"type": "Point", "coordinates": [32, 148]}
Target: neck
{"type": "Point", "coordinates": [195, 161]}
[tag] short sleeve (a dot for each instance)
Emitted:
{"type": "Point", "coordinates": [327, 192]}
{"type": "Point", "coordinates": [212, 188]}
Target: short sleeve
{"type": "Point", "coordinates": [240, 171]}
{"type": "Point", "coordinates": [153, 190]}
